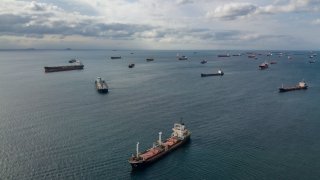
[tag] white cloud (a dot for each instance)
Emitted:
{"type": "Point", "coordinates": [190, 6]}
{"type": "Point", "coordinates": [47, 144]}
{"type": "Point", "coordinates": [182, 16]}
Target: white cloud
{"type": "Point", "coordinates": [146, 23]}
{"type": "Point", "coordinates": [316, 22]}
{"type": "Point", "coordinates": [185, 1]}
{"type": "Point", "coordinates": [232, 11]}
{"type": "Point", "coordinates": [292, 6]}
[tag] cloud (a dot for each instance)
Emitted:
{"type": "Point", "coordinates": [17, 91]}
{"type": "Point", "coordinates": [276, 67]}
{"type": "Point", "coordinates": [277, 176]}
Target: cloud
{"type": "Point", "coordinates": [37, 6]}
{"type": "Point", "coordinates": [182, 2]}
{"type": "Point", "coordinates": [293, 6]}
{"type": "Point", "coordinates": [316, 22]}
{"type": "Point", "coordinates": [232, 11]}
{"type": "Point", "coordinates": [180, 23]}
{"type": "Point", "coordinates": [40, 19]}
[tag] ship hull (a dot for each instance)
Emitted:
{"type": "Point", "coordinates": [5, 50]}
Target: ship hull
{"type": "Point", "coordinates": [103, 91]}
{"type": "Point", "coordinates": [143, 164]}
{"type": "Point", "coordinates": [102, 88]}
{"type": "Point", "coordinates": [115, 57]}
{"type": "Point", "coordinates": [292, 89]}
{"type": "Point", "coordinates": [263, 67]}
{"type": "Point", "coordinates": [215, 74]}
{"type": "Point", "coordinates": [62, 68]}
{"type": "Point", "coordinates": [223, 55]}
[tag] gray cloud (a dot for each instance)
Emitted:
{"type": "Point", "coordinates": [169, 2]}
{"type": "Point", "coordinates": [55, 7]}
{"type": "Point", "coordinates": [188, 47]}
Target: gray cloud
{"type": "Point", "coordinates": [45, 23]}
{"type": "Point", "coordinates": [232, 11]}
{"type": "Point", "coordinates": [37, 6]}
{"type": "Point", "coordinates": [182, 2]}
{"type": "Point", "coordinates": [38, 20]}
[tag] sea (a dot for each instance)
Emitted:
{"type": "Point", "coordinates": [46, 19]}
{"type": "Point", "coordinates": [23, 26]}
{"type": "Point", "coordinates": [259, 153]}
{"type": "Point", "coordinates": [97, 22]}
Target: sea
{"type": "Point", "coordinates": [57, 126]}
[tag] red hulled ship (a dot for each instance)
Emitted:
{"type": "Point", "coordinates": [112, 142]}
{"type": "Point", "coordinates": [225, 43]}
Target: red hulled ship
{"type": "Point", "coordinates": [180, 136]}
{"type": "Point", "coordinates": [263, 66]}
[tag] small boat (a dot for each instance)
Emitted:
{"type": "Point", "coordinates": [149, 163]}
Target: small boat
{"type": "Point", "coordinates": [131, 65]}
{"type": "Point", "coordinates": [273, 62]}
{"type": "Point", "coordinates": [223, 55]}
{"type": "Point", "coordinates": [220, 73]}
{"type": "Point", "coordinates": [182, 58]}
{"type": "Point", "coordinates": [180, 135]}
{"type": "Point", "coordinates": [101, 85]}
{"type": "Point", "coordinates": [263, 66]}
{"type": "Point", "coordinates": [115, 57]}
{"type": "Point", "coordinates": [251, 56]}
{"type": "Point", "coordinates": [149, 59]}
{"type": "Point", "coordinates": [236, 54]}
{"type": "Point", "coordinates": [203, 61]}
{"type": "Point", "coordinates": [301, 85]}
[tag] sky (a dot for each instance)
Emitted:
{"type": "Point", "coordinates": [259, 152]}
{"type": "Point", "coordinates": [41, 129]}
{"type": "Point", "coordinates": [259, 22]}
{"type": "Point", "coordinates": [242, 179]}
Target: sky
{"type": "Point", "coordinates": [160, 24]}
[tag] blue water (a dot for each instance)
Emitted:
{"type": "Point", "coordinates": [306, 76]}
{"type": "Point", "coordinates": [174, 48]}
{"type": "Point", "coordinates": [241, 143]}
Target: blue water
{"type": "Point", "coordinates": [56, 125]}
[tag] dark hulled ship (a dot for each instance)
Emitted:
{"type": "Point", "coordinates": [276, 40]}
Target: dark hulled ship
{"type": "Point", "coordinates": [115, 57]}
{"type": "Point", "coordinates": [101, 85]}
{"type": "Point", "coordinates": [77, 65]}
{"type": "Point", "coordinates": [220, 73]}
{"type": "Point", "coordinates": [302, 85]}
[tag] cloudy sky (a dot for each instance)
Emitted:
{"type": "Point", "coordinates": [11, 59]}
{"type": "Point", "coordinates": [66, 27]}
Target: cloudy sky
{"type": "Point", "coordinates": [160, 24]}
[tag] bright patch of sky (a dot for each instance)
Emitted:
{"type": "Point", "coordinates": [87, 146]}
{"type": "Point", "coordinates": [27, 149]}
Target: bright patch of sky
{"type": "Point", "coordinates": [165, 24]}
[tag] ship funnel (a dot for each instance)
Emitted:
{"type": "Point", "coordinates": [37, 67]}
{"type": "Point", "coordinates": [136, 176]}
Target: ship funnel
{"type": "Point", "coordinates": [160, 142]}
{"type": "Point", "coordinates": [137, 149]}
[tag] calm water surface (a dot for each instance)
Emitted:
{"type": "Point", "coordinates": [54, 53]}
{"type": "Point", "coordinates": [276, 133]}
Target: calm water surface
{"type": "Point", "coordinates": [56, 126]}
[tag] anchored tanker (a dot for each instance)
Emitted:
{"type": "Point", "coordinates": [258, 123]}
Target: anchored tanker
{"type": "Point", "coordinates": [73, 66]}
{"type": "Point", "coordinates": [180, 136]}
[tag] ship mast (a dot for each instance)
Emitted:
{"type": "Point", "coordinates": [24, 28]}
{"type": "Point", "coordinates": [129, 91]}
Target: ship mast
{"type": "Point", "coordinates": [137, 149]}
{"type": "Point", "coordinates": [159, 141]}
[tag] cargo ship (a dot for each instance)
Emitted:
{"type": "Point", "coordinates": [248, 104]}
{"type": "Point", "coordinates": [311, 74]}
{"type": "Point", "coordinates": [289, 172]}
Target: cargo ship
{"type": "Point", "coordinates": [77, 65]}
{"type": "Point", "coordinates": [182, 57]}
{"type": "Point", "coordinates": [223, 55]}
{"type": "Point", "coordinates": [300, 86]}
{"type": "Point", "coordinates": [203, 61]}
{"type": "Point", "coordinates": [263, 66]}
{"type": "Point", "coordinates": [220, 73]}
{"type": "Point", "coordinates": [101, 85]}
{"type": "Point", "coordinates": [115, 57]}
{"type": "Point", "coordinates": [180, 136]}
{"type": "Point", "coordinates": [252, 56]}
